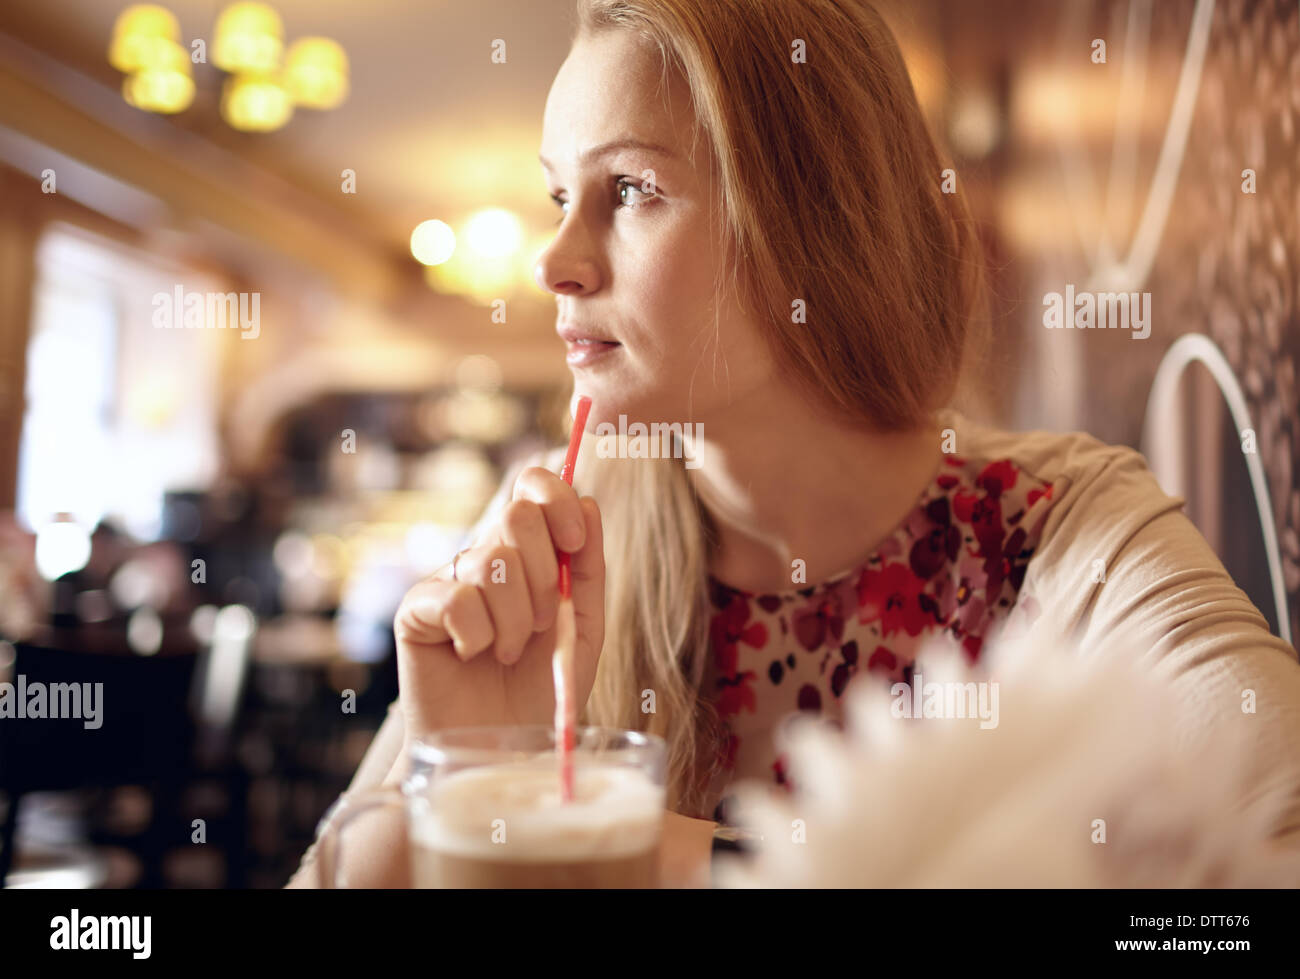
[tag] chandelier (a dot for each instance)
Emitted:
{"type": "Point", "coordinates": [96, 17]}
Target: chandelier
{"type": "Point", "coordinates": [264, 83]}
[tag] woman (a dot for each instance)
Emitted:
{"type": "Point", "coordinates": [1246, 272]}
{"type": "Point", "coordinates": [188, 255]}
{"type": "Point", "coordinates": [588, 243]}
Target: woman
{"type": "Point", "coordinates": [754, 240]}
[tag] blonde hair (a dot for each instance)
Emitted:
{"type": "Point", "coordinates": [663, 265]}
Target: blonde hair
{"type": "Point", "coordinates": [887, 265]}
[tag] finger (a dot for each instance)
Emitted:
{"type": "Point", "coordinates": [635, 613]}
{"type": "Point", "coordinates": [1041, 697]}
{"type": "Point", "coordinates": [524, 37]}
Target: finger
{"type": "Point", "coordinates": [588, 569]}
{"type": "Point", "coordinates": [523, 527]}
{"type": "Point", "coordinates": [559, 503]}
{"type": "Point", "coordinates": [436, 611]}
{"type": "Point", "coordinates": [498, 573]}
{"type": "Point", "coordinates": [588, 564]}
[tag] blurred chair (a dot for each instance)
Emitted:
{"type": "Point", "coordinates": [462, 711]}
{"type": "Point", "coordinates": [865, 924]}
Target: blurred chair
{"type": "Point", "coordinates": [148, 736]}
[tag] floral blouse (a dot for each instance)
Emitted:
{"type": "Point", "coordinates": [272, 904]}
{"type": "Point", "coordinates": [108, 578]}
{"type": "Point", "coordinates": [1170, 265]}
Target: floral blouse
{"type": "Point", "coordinates": [954, 563]}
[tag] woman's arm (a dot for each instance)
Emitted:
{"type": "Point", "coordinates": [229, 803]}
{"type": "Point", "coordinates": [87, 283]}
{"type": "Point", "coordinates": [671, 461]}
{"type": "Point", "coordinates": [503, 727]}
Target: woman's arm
{"type": "Point", "coordinates": [374, 848]}
{"type": "Point", "coordinates": [1166, 591]}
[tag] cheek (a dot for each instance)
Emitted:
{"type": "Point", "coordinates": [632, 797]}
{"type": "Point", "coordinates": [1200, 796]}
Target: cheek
{"type": "Point", "coordinates": [673, 294]}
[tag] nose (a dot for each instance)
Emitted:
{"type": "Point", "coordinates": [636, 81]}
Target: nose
{"type": "Point", "coordinates": [566, 267]}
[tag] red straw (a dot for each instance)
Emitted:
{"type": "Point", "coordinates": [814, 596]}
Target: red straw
{"type": "Point", "coordinates": [566, 630]}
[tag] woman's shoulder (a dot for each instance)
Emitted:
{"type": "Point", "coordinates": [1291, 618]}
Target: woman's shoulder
{"type": "Point", "coordinates": [1107, 481]}
{"type": "Point", "coordinates": [1076, 456]}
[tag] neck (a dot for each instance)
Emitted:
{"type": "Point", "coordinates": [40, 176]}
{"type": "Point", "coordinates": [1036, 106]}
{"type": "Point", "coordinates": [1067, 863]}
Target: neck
{"type": "Point", "coordinates": [784, 483]}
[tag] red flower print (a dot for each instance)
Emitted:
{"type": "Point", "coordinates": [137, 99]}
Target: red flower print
{"type": "Point", "coordinates": [963, 505]}
{"type": "Point", "coordinates": [940, 544]}
{"type": "Point", "coordinates": [735, 694]}
{"type": "Point", "coordinates": [892, 596]}
{"type": "Point", "coordinates": [728, 629]}
{"type": "Point", "coordinates": [823, 617]}
{"type": "Point", "coordinates": [809, 698]}
{"type": "Point", "coordinates": [997, 477]}
{"type": "Point", "coordinates": [882, 661]}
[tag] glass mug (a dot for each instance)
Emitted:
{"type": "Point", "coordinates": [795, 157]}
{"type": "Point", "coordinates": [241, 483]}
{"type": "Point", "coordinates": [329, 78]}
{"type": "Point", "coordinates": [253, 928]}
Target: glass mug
{"type": "Point", "coordinates": [483, 810]}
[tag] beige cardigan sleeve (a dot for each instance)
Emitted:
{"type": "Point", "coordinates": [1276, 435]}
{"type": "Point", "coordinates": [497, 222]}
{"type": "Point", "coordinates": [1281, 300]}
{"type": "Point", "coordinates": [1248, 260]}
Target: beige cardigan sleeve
{"type": "Point", "coordinates": [1119, 558]}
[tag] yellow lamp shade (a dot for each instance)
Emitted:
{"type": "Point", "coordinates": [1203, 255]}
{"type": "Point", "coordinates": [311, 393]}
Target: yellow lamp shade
{"type": "Point", "coordinates": [139, 33]}
{"type": "Point", "coordinates": [248, 38]}
{"type": "Point", "coordinates": [316, 71]}
{"type": "Point", "coordinates": [256, 103]}
{"type": "Point", "coordinates": [164, 84]}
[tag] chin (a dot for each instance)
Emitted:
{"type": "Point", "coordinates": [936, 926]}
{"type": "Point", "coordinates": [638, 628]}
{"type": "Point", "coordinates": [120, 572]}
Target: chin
{"type": "Point", "coordinates": [610, 399]}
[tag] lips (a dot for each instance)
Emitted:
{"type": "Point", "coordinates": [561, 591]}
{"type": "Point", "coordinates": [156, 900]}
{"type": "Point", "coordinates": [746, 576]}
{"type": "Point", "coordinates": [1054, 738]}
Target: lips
{"type": "Point", "coordinates": [586, 347]}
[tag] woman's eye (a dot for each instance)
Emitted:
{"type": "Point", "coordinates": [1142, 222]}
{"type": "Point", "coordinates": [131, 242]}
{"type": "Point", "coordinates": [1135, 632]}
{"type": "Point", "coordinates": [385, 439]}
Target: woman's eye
{"type": "Point", "coordinates": [626, 184]}
{"type": "Point", "coordinates": [564, 207]}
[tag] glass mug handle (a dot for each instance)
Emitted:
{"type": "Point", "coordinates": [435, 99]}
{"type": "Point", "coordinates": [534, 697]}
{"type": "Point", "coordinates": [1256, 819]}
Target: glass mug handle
{"type": "Point", "coordinates": [330, 831]}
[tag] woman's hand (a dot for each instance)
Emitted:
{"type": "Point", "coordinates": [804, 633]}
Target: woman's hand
{"type": "Point", "coordinates": [477, 649]}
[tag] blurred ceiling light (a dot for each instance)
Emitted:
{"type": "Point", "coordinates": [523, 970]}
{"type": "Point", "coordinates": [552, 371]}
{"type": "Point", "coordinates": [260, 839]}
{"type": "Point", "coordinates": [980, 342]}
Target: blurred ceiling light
{"type": "Point", "coordinates": [137, 34]}
{"type": "Point", "coordinates": [494, 233]}
{"type": "Point", "coordinates": [248, 38]}
{"type": "Point", "coordinates": [164, 85]}
{"type": "Point", "coordinates": [316, 71]}
{"type": "Point", "coordinates": [493, 264]}
{"type": "Point", "coordinates": [432, 242]}
{"type": "Point", "coordinates": [479, 281]}
{"type": "Point", "coordinates": [61, 548]}
{"type": "Point", "coordinates": [255, 103]}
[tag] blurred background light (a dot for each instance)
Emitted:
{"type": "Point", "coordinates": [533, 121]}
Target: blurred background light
{"type": "Point", "coordinates": [248, 38]}
{"type": "Point", "coordinates": [144, 631]}
{"type": "Point", "coordinates": [316, 72]}
{"type": "Point", "coordinates": [62, 546]}
{"type": "Point", "coordinates": [494, 233]}
{"type": "Point", "coordinates": [164, 83]}
{"type": "Point", "coordinates": [256, 103]}
{"type": "Point", "coordinates": [138, 34]}
{"type": "Point", "coordinates": [432, 242]}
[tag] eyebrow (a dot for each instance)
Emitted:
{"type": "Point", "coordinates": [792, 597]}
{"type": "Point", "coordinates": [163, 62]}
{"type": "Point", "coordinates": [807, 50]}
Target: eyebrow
{"type": "Point", "coordinates": [614, 146]}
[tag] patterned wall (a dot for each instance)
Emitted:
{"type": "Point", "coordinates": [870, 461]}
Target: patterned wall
{"type": "Point", "coordinates": [1073, 190]}
{"type": "Point", "coordinates": [1229, 262]}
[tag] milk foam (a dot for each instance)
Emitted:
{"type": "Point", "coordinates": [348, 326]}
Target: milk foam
{"type": "Point", "coordinates": [616, 812]}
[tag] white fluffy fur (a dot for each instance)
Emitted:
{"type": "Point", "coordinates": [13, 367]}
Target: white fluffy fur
{"type": "Point", "coordinates": [942, 803]}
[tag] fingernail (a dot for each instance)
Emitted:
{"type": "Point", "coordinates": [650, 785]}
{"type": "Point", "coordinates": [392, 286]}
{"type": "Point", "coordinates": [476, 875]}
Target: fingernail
{"type": "Point", "coordinates": [574, 533]}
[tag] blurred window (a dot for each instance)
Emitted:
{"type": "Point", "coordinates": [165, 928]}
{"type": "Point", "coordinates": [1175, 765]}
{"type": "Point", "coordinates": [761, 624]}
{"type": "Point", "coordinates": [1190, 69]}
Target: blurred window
{"type": "Point", "coordinates": [117, 411]}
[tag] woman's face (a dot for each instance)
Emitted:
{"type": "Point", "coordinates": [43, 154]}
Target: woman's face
{"type": "Point", "coordinates": [636, 256]}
